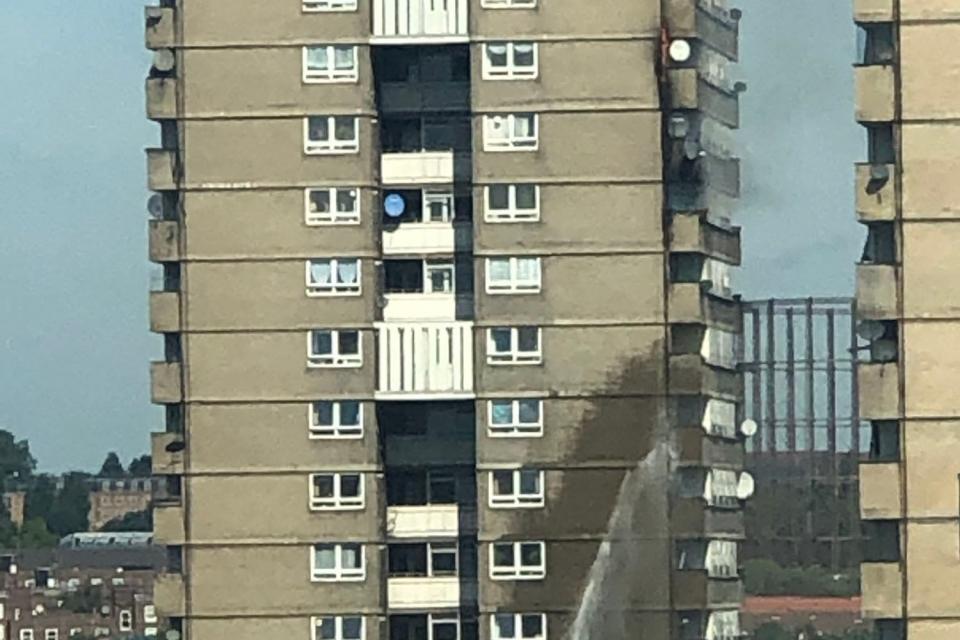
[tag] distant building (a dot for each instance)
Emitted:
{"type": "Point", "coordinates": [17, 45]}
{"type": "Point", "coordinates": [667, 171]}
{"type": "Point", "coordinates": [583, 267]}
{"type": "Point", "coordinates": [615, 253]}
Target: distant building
{"type": "Point", "coordinates": [99, 540]}
{"type": "Point", "coordinates": [60, 593]}
{"type": "Point", "coordinates": [115, 498]}
{"type": "Point", "coordinates": [15, 503]}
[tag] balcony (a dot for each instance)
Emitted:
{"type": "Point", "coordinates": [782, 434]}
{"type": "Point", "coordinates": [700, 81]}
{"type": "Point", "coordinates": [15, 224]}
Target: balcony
{"type": "Point", "coordinates": [160, 169]}
{"type": "Point", "coordinates": [882, 587]}
{"type": "Point", "coordinates": [166, 453]}
{"type": "Point", "coordinates": [418, 167]}
{"type": "Point", "coordinates": [696, 590]}
{"type": "Point", "coordinates": [400, 21]}
{"type": "Point", "coordinates": [876, 192]}
{"type": "Point", "coordinates": [165, 383]}
{"type": "Point", "coordinates": [423, 593]}
{"type": "Point", "coordinates": [165, 312]}
{"type": "Point", "coordinates": [693, 518]}
{"type": "Point", "coordinates": [414, 238]}
{"type": "Point", "coordinates": [879, 491]}
{"type": "Point", "coordinates": [689, 374]}
{"type": "Point", "coordinates": [873, 10]}
{"type": "Point", "coordinates": [161, 98]}
{"type": "Point", "coordinates": [168, 524]}
{"type": "Point", "coordinates": [164, 240]}
{"type": "Point", "coordinates": [689, 304]}
{"type": "Point", "coordinates": [877, 291]}
{"type": "Point", "coordinates": [160, 29]}
{"type": "Point", "coordinates": [714, 26]}
{"type": "Point", "coordinates": [689, 91]}
{"type": "Point", "coordinates": [695, 233]}
{"type": "Point", "coordinates": [169, 595]}
{"type": "Point", "coordinates": [427, 521]}
{"type": "Point", "coordinates": [430, 360]}
{"type": "Point", "coordinates": [879, 390]}
{"type": "Point", "coordinates": [875, 93]}
{"type": "Point", "coordinates": [404, 307]}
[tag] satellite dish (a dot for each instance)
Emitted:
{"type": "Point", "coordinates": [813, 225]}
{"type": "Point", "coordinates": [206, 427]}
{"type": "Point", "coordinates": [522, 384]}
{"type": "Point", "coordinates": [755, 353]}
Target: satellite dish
{"type": "Point", "coordinates": [164, 60]}
{"type": "Point", "coordinates": [870, 329]}
{"type": "Point", "coordinates": [680, 50]}
{"type": "Point", "coordinates": [736, 14]}
{"type": "Point", "coordinates": [748, 428]}
{"type": "Point", "coordinates": [746, 486]}
{"type": "Point", "coordinates": [155, 206]}
{"type": "Point", "coordinates": [176, 446]}
{"type": "Point", "coordinates": [884, 350]}
{"type": "Point", "coordinates": [394, 205]}
{"type": "Point", "coordinates": [173, 634]}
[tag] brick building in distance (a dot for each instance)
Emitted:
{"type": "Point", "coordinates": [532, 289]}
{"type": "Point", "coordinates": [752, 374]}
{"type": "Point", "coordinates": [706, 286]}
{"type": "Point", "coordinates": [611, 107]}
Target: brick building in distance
{"type": "Point", "coordinates": [115, 498]}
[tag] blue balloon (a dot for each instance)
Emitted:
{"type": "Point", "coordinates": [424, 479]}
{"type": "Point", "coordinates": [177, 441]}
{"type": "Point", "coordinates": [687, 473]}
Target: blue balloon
{"type": "Point", "coordinates": [394, 205]}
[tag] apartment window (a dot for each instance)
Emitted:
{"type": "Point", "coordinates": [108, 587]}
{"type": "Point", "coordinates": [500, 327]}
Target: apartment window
{"type": "Point", "coordinates": [310, 6]}
{"type": "Point", "coordinates": [333, 277]}
{"type": "Point", "coordinates": [444, 626]}
{"type": "Point", "coordinates": [438, 276]}
{"type": "Point", "coordinates": [330, 64]}
{"type": "Point", "coordinates": [509, 60]}
{"type": "Point", "coordinates": [150, 632]}
{"type": "Point", "coordinates": [337, 563]}
{"type": "Point", "coordinates": [433, 559]}
{"type": "Point", "coordinates": [720, 488]}
{"type": "Point", "coordinates": [720, 418]}
{"type": "Point", "coordinates": [126, 620]}
{"type": "Point", "coordinates": [76, 631]}
{"type": "Point", "coordinates": [331, 134]}
{"type": "Point", "coordinates": [149, 613]}
{"type": "Point", "coordinates": [508, 4]}
{"type": "Point", "coordinates": [516, 488]}
{"type": "Point", "coordinates": [513, 275]}
{"type": "Point", "coordinates": [334, 348]}
{"type": "Point", "coordinates": [517, 561]}
{"type": "Point", "coordinates": [336, 491]}
{"type": "Point", "coordinates": [332, 206]}
{"type": "Point", "coordinates": [336, 419]}
{"type": "Point", "coordinates": [515, 417]}
{"type": "Point", "coordinates": [512, 203]}
{"type": "Point", "coordinates": [54, 634]}
{"type": "Point", "coordinates": [514, 345]}
{"type": "Point", "coordinates": [26, 634]}
{"type": "Point", "coordinates": [508, 132]}
{"type": "Point", "coordinates": [518, 626]}
{"type": "Point", "coordinates": [337, 628]}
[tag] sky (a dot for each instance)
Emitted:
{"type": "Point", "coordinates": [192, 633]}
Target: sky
{"type": "Point", "coordinates": [74, 339]}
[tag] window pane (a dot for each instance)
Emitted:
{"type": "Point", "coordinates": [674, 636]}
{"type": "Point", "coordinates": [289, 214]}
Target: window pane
{"type": "Point", "coordinates": [350, 413]}
{"type": "Point", "coordinates": [501, 412]}
{"type": "Point", "coordinates": [345, 128]}
{"type": "Point", "coordinates": [499, 196]}
{"type": "Point", "coordinates": [322, 342]}
{"type": "Point", "coordinates": [444, 562]}
{"type": "Point", "coordinates": [526, 196]}
{"type": "Point", "coordinates": [530, 411]}
{"type": "Point", "coordinates": [528, 339]}
{"type": "Point", "coordinates": [317, 58]}
{"type": "Point", "coordinates": [325, 556]}
{"type": "Point", "coordinates": [327, 628]}
{"type": "Point", "coordinates": [347, 271]}
{"type": "Point", "coordinates": [532, 626]}
{"type": "Point", "coordinates": [528, 269]}
{"type": "Point", "coordinates": [352, 628]}
{"type": "Point", "coordinates": [319, 128]}
{"type": "Point", "coordinates": [497, 128]}
{"type": "Point", "coordinates": [320, 272]}
{"type": "Point", "coordinates": [506, 626]}
{"type": "Point", "coordinates": [529, 482]}
{"type": "Point", "coordinates": [499, 270]}
{"type": "Point", "coordinates": [530, 555]}
{"type": "Point", "coordinates": [323, 414]}
{"type": "Point", "coordinates": [323, 486]}
{"type": "Point", "coordinates": [445, 631]}
{"type": "Point", "coordinates": [350, 556]}
{"type": "Point", "coordinates": [349, 343]}
{"type": "Point", "coordinates": [343, 59]}
{"type": "Point", "coordinates": [346, 200]}
{"type": "Point", "coordinates": [443, 489]}
{"type": "Point", "coordinates": [497, 54]}
{"type": "Point", "coordinates": [501, 340]}
{"type": "Point", "coordinates": [503, 555]}
{"type": "Point", "coordinates": [320, 201]}
{"type": "Point", "coordinates": [350, 486]}
{"type": "Point", "coordinates": [523, 54]}
{"type": "Point", "coordinates": [523, 126]}
{"type": "Point", "coordinates": [502, 483]}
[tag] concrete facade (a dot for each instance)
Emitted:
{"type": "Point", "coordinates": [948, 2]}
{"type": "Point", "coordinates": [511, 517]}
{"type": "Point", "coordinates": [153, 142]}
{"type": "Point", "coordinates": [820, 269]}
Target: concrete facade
{"type": "Point", "coordinates": [340, 454]}
{"type": "Point", "coordinates": [910, 316]}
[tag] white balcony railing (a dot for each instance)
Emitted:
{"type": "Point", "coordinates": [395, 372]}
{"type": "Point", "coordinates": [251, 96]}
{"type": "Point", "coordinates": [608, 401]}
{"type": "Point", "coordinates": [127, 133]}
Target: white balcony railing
{"type": "Point", "coordinates": [423, 592]}
{"type": "Point", "coordinates": [427, 521]}
{"type": "Point", "coordinates": [425, 359]}
{"type": "Point", "coordinates": [405, 307]}
{"type": "Point", "coordinates": [416, 238]}
{"type": "Point", "coordinates": [420, 19]}
{"type": "Point", "coordinates": [418, 167]}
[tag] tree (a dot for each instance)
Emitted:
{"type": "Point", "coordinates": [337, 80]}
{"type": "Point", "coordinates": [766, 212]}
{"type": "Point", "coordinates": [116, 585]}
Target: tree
{"type": "Point", "coordinates": [141, 467]}
{"type": "Point", "coordinates": [71, 508]}
{"type": "Point", "coordinates": [35, 535]}
{"type": "Point", "coordinates": [16, 462]}
{"type": "Point", "coordinates": [133, 521]}
{"type": "Point", "coordinates": [112, 467]}
{"type": "Point", "coordinates": [41, 494]}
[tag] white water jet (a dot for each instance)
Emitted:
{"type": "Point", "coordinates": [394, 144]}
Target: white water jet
{"type": "Point", "coordinates": [615, 570]}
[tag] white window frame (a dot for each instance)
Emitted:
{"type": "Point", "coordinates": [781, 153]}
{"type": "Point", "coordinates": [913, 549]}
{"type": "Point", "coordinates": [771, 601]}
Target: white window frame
{"type": "Point", "coordinates": [331, 74]}
{"type": "Point", "coordinates": [315, 622]}
{"type": "Point", "coordinates": [439, 265]}
{"type": "Point", "coordinates": [334, 360]}
{"type": "Point", "coordinates": [150, 632]}
{"type": "Point", "coordinates": [515, 285]}
{"type": "Point", "coordinates": [518, 626]}
{"type": "Point", "coordinates": [329, 6]}
{"type": "Point", "coordinates": [334, 288]}
{"type": "Point", "coordinates": [331, 146]}
{"type": "Point", "coordinates": [513, 213]}
{"type": "Point", "coordinates": [720, 488]}
{"type": "Point", "coordinates": [720, 418]}
{"type": "Point", "coordinates": [516, 499]}
{"type": "Point", "coordinates": [149, 613]}
{"type": "Point", "coordinates": [439, 619]}
{"type": "Point", "coordinates": [75, 631]}
{"type": "Point", "coordinates": [511, 71]}
{"type": "Point", "coordinates": [517, 571]}
{"type": "Point", "coordinates": [442, 548]}
{"type": "Point", "coordinates": [54, 634]}
{"type": "Point", "coordinates": [512, 142]}
{"type": "Point", "coordinates": [337, 430]}
{"type": "Point", "coordinates": [514, 356]}
{"type": "Point", "coordinates": [125, 622]}
{"type": "Point", "coordinates": [339, 573]}
{"type": "Point", "coordinates": [508, 4]}
{"type": "Point", "coordinates": [26, 634]}
{"type": "Point", "coordinates": [334, 216]}
{"type": "Point", "coordinates": [515, 428]}
{"type": "Point", "coordinates": [338, 502]}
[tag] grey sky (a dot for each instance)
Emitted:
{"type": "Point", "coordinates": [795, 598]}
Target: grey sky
{"type": "Point", "coordinates": [74, 344]}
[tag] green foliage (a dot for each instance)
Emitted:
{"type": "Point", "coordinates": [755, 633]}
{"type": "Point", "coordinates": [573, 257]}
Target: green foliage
{"type": "Point", "coordinates": [112, 467]}
{"type": "Point", "coordinates": [16, 462]}
{"type": "Point", "coordinates": [41, 495]}
{"type": "Point", "coordinates": [141, 467]}
{"type": "Point", "coordinates": [767, 578]}
{"type": "Point", "coordinates": [134, 521]}
{"type": "Point", "coordinates": [85, 600]}
{"type": "Point", "coordinates": [71, 507]}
